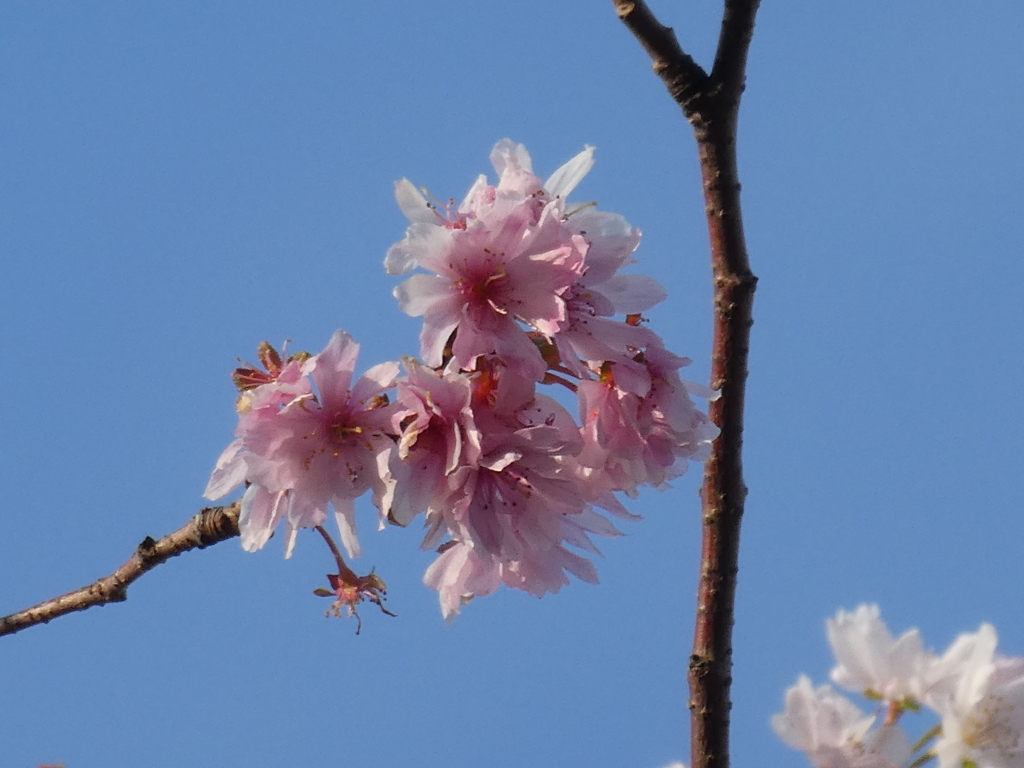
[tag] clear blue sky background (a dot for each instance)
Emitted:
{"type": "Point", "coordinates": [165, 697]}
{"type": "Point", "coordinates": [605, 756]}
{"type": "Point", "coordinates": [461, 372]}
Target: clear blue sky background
{"type": "Point", "coordinates": [179, 181]}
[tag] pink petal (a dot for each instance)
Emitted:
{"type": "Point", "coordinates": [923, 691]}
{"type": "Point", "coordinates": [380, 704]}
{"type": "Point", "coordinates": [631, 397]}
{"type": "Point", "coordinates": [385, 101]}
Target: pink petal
{"type": "Point", "coordinates": [332, 369]}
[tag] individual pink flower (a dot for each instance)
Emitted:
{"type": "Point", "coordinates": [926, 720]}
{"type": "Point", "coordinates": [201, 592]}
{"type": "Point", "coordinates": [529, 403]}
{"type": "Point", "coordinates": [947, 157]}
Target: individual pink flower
{"type": "Point", "coordinates": [642, 428]}
{"type": "Point", "coordinates": [430, 220]}
{"type": "Point", "coordinates": [438, 435]}
{"type": "Point", "coordinates": [589, 335]}
{"type": "Point", "coordinates": [263, 391]}
{"type": "Point", "coordinates": [509, 515]}
{"type": "Point", "coordinates": [503, 261]}
{"type": "Point", "coordinates": [302, 449]}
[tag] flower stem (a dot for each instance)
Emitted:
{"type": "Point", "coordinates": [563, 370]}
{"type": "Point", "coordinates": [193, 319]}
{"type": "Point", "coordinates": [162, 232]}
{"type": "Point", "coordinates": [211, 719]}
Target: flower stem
{"type": "Point", "coordinates": [343, 570]}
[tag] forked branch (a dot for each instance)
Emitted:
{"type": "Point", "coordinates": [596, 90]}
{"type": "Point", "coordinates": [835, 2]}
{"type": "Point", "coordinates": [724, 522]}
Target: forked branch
{"type": "Point", "coordinates": [710, 102]}
{"type": "Point", "coordinates": [208, 527]}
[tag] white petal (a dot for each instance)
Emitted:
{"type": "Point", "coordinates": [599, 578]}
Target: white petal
{"type": "Point", "coordinates": [467, 202]}
{"type": "Point", "coordinates": [632, 293]}
{"type": "Point", "coordinates": [696, 389]}
{"type": "Point", "coordinates": [413, 204]}
{"type": "Point", "coordinates": [564, 180]}
{"type": "Point", "coordinates": [261, 512]}
{"type": "Point", "coordinates": [419, 292]}
{"type": "Point", "coordinates": [437, 329]}
{"type": "Point", "coordinates": [384, 486]}
{"type": "Point", "coordinates": [507, 152]}
{"type": "Point", "coordinates": [421, 242]}
{"type": "Point", "coordinates": [399, 258]}
{"type": "Point", "coordinates": [229, 472]}
{"type": "Point", "coordinates": [497, 462]}
{"type": "Point", "coordinates": [345, 514]}
{"type": "Point", "coordinates": [382, 376]}
{"type": "Point", "coordinates": [595, 523]}
{"type": "Point", "coordinates": [291, 533]}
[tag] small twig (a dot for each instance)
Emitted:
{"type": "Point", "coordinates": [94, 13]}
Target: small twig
{"type": "Point", "coordinates": [343, 569]}
{"type": "Point", "coordinates": [710, 102]}
{"type": "Point", "coordinates": [208, 527]}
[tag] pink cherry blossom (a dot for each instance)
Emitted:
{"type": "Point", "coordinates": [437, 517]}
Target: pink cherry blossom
{"type": "Point", "coordinates": [429, 219]}
{"type": "Point", "coordinates": [439, 436]}
{"type": "Point", "coordinates": [501, 264]}
{"type": "Point", "coordinates": [302, 449]}
{"type": "Point", "coordinates": [642, 429]}
{"type": "Point", "coordinates": [589, 334]}
{"type": "Point", "coordinates": [509, 515]}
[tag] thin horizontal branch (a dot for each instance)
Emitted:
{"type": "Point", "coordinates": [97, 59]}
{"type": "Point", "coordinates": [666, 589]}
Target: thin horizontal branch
{"type": "Point", "coordinates": [208, 527]}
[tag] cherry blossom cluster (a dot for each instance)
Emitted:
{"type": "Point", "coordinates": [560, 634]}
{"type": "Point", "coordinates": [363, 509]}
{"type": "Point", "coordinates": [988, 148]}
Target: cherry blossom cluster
{"type": "Point", "coordinates": [977, 694]}
{"type": "Point", "coordinates": [518, 290]}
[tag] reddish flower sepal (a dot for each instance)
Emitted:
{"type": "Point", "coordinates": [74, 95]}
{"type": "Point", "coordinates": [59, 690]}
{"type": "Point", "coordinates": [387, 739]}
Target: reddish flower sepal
{"type": "Point", "coordinates": [252, 377]}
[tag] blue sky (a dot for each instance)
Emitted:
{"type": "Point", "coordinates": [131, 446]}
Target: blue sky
{"type": "Point", "coordinates": [179, 181]}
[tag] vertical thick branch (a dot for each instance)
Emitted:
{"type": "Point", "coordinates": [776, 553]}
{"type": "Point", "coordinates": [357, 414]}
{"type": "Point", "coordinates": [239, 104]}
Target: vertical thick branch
{"type": "Point", "coordinates": [710, 102]}
{"type": "Point", "coordinates": [724, 491]}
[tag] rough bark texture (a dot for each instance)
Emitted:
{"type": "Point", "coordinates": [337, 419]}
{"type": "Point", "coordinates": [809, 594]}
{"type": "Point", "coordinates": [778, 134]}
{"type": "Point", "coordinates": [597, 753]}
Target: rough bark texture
{"type": "Point", "coordinates": [710, 102]}
{"type": "Point", "coordinates": [209, 526]}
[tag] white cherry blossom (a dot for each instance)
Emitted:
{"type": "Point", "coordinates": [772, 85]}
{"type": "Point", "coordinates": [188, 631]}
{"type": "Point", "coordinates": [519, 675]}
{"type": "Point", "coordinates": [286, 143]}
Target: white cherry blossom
{"type": "Point", "coordinates": [983, 715]}
{"type": "Point", "coordinates": [872, 662]}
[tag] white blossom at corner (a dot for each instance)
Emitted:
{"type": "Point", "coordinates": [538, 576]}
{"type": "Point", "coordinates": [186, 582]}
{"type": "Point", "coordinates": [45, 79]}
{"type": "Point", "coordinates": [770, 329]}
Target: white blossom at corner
{"type": "Point", "coordinates": [981, 701]}
{"type": "Point", "coordinates": [834, 733]}
{"type": "Point", "coordinates": [871, 662]}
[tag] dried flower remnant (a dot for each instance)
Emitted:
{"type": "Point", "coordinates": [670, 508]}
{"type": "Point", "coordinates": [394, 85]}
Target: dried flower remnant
{"type": "Point", "coordinates": [274, 368]}
{"type": "Point", "coordinates": [350, 589]}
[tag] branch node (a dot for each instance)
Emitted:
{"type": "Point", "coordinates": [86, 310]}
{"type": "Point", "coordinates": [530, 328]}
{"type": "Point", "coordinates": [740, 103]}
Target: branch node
{"type": "Point", "coordinates": [147, 547]}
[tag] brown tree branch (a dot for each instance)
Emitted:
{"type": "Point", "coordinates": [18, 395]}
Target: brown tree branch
{"type": "Point", "coordinates": [733, 44]}
{"type": "Point", "coordinates": [683, 76]}
{"type": "Point", "coordinates": [711, 104]}
{"type": "Point", "coordinates": [208, 527]}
